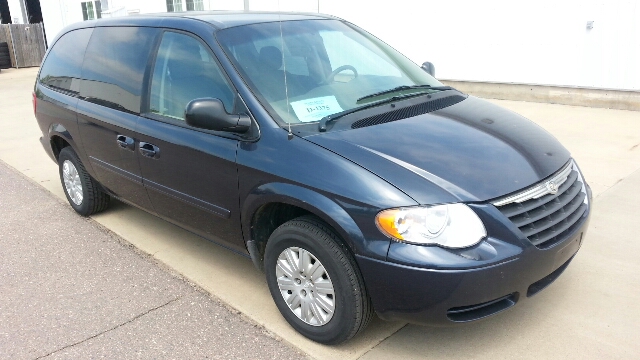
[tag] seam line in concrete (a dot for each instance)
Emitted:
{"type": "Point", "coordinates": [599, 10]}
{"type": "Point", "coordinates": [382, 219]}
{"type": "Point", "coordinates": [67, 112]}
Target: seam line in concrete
{"type": "Point", "coordinates": [381, 341]}
{"type": "Point", "coordinates": [616, 184]}
{"type": "Point", "coordinates": [111, 329]}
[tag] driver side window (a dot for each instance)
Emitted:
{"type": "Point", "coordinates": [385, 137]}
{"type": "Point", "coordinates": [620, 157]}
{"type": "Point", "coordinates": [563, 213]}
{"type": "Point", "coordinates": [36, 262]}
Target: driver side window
{"type": "Point", "coordinates": [185, 70]}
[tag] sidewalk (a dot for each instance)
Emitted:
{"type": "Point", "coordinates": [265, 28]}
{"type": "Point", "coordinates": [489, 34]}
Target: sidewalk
{"type": "Point", "coordinates": [592, 311]}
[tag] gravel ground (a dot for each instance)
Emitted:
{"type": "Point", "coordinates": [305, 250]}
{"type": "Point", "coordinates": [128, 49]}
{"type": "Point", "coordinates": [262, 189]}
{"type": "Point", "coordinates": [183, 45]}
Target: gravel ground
{"type": "Point", "coordinates": [71, 289]}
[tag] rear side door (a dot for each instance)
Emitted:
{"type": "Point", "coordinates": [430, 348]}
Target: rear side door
{"type": "Point", "coordinates": [190, 174]}
{"type": "Point", "coordinates": [113, 74]}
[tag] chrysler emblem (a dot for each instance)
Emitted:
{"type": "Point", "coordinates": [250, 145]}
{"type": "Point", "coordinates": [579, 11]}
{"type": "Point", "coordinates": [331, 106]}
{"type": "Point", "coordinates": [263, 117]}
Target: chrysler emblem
{"type": "Point", "coordinates": [552, 187]}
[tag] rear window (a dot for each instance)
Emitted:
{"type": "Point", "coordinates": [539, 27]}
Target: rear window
{"type": "Point", "coordinates": [114, 66]}
{"type": "Point", "coordinates": [63, 65]}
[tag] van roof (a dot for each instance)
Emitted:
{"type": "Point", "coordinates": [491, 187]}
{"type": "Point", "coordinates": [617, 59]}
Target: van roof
{"type": "Point", "coordinates": [224, 19]}
{"type": "Point", "coordinates": [218, 19]}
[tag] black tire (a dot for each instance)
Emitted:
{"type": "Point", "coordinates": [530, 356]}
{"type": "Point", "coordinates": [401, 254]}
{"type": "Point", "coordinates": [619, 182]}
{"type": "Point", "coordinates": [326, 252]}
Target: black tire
{"type": "Point", "coordinates": [94, 199]}
{"type": "Point", "coordinates": [353, 309]}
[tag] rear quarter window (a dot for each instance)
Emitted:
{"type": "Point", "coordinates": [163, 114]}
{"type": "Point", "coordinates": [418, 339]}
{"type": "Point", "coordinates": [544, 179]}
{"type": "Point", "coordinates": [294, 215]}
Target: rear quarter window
{"type": "Point", "coordinates": [114, 66]}
{"type": "Point", "coordinates": [62, 68]}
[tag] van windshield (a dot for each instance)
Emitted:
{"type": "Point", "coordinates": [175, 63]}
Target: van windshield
{"type": "Point", "coordinates": [305, 70]}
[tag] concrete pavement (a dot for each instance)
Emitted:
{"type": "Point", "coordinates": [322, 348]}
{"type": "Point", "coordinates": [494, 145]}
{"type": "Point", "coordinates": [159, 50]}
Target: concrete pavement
{"type": "Point", "coordinates": [591, 311]}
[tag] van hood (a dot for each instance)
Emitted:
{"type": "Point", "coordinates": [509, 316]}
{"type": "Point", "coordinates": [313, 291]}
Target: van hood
{"type": "Point", "coordinates": [471, 151]}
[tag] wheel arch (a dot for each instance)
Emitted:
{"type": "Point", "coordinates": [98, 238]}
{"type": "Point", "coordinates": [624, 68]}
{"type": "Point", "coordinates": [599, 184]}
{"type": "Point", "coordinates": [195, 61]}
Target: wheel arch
{"type": "Point", "coordinates": [271, 205]}
{"type": "Point", "coordinates": [59, 138]}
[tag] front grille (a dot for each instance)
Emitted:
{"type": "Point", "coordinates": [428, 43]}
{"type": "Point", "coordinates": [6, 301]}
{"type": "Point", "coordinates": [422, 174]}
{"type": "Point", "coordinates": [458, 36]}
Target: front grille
{"type": "Point", "coordinates": [409, 111]}
{"type": "Point", "coordinates": [546, 218]}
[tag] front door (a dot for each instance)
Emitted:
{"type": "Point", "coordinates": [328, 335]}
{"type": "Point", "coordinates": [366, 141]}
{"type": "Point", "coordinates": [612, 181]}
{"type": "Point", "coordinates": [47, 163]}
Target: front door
{"type": "Point", "coordinates": [190, 174]}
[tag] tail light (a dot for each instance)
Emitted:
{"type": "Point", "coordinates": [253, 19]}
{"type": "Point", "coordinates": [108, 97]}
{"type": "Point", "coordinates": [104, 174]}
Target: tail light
{"type": "Point", "coordinates": [35, 102]}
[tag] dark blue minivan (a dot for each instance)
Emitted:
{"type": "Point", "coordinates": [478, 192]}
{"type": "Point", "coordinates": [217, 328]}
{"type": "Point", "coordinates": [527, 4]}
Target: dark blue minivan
{"type": "Point", "coordinates": [354, 179]}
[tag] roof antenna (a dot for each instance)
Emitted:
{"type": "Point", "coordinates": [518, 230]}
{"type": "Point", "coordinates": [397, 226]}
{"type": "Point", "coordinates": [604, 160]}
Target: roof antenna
{"type": "Point", "coordinates": [284, 69]}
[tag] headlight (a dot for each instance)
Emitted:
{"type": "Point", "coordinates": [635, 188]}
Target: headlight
{"type": "Point", "coordinates": [450, 225]}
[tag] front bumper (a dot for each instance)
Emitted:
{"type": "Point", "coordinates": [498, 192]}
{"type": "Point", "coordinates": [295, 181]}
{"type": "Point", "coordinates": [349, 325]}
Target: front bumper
{"type": "Point", "coordinates": [435, 286]}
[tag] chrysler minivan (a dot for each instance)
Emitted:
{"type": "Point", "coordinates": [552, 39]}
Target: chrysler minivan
{"type": "Point", "coordinates": [356, 181]}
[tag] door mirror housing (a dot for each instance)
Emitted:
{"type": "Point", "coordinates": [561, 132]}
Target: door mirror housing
{"type": "Point", "coordinates": [210, 114]}
{"type": "Point", "coordinates": [429, 68]}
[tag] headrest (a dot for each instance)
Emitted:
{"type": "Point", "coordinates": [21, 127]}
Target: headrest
{"type": "Point", "coordinates": [271, 57]}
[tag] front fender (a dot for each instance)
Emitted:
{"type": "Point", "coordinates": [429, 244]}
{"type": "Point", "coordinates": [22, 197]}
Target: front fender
{"type": "Point", "coordinates": [318, 204]}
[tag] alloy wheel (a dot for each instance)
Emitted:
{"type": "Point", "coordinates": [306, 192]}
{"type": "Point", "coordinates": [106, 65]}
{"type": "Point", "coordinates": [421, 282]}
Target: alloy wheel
{"type": "Point", "coordinates": [305, 286]}
{"type": "Point", "coordinates": [72, 183]}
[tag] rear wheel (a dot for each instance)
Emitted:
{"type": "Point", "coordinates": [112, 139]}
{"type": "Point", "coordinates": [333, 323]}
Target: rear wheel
{"type": "Point", "coordinates": [83, 193]}
{"type": "Point", "coordinates": [315, 282]}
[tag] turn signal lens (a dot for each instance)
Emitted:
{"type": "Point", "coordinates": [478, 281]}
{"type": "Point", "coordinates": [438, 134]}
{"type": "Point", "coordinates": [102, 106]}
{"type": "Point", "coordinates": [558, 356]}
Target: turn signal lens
{"type": "Point", "coordinates": [386, 221]}
{"type": "Point", "coordinates": [450, 225]}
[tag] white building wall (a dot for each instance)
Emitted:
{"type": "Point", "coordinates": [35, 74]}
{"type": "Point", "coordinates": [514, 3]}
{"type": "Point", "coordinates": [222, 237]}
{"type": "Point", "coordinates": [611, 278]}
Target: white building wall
{"type": "Point", "coordinates": [533, 42]}
{"type": "Point", "coordinates": [16, 11]}
{"type": "Point", "coordinates": [287, 5]}
{"type": "Point", "coordinates": [57, 14]}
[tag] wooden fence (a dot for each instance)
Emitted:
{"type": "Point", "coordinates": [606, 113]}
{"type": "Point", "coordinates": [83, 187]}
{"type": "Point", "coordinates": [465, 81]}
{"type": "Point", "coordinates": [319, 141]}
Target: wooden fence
{"type": "Point", "coordinates": [26, 43]}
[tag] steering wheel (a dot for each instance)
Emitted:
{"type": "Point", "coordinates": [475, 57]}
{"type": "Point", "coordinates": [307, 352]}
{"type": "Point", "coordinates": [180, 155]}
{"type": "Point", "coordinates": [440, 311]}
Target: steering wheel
{"type": "Point", "coordinates": [340, 69]}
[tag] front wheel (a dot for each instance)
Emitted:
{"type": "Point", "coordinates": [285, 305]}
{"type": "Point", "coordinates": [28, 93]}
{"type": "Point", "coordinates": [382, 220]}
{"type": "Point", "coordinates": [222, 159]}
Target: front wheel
{"type": "Point", "coordinates": [83, 193]}
{"type": "Point", "coordinates": [315, 282]}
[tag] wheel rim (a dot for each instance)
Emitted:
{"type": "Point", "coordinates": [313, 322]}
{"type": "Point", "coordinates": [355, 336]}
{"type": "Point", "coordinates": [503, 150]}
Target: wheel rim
{"type": "Point", "coordinates": [305, 286]}
{"type": "Point", "coordinates": [72, 182]}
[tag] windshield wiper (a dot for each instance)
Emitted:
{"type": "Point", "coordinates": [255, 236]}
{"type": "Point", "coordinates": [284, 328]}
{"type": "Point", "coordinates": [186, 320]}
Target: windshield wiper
{"type": "Point", "coordinates": [322, 125]}
{"type": "Point", "coordinates": [404, 87]}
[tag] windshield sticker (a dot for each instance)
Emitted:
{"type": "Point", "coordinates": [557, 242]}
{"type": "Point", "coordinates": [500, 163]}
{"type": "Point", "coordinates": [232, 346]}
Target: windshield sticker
{"type": "Point", "coordinates": [316, 108]}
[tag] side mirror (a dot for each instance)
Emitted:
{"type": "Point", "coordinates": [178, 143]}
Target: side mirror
{"type": "Point", "coordinates": [210, 114]}
{"type": "Point", "coordinates": [429, 68]}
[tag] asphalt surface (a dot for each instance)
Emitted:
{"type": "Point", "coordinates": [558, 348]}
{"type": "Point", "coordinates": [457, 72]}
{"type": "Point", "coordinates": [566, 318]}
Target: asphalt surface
{"type": "Point", "coordinates": [70, 288]}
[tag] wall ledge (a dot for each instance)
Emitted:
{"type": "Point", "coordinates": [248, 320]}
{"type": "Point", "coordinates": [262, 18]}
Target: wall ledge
{"type": "Point", "coordinates": [591, 97]}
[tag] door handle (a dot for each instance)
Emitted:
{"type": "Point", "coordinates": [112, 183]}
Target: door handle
{"type": "Point", "coordinates": [149, 150]}
{"type": "Point", "coordinates": [125, 142]}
